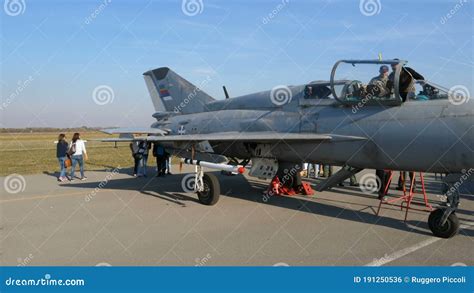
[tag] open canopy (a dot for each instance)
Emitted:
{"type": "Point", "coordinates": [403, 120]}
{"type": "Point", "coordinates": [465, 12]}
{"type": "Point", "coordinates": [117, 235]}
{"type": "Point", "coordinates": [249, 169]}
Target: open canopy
{"type": "Point", "coordinates": [355, 91]}
{"type": "Point", "coordinates": [387, 90]}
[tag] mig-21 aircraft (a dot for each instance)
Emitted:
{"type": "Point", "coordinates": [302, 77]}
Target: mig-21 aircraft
{"type": "Point", "coordinates": [340, 122]}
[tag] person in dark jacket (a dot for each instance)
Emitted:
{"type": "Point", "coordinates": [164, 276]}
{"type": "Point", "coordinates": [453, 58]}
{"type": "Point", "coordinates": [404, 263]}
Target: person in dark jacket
{"type": "Point", "coordinates": [382, 181]}
{"type": "Point", "coordinates": [160, 154]}
{"type": "Point", "coordinates": [61, 154]}
{"type": "Point", "coordinates": [406, 83]}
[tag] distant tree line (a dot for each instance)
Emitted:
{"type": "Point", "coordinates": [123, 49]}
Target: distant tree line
{"type": "Point", "coordinates": [50, 129]}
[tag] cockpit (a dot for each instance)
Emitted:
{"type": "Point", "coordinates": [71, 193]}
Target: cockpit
{"type": "Point", "coordinates": [321, 89]}
{"type": "Point", "coordinates": [385, 88]}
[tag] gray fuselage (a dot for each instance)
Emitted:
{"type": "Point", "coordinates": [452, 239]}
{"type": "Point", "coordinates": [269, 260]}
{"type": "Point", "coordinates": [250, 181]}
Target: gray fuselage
{"type": "Point", "coordinates": [434, 136]}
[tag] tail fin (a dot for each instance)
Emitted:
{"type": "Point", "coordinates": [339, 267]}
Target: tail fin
{"type": "Point", "coordinates": [172, 93]}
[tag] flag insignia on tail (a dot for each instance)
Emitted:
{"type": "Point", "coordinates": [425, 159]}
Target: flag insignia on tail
{"type": "Point", "coordinates": [164, 93]}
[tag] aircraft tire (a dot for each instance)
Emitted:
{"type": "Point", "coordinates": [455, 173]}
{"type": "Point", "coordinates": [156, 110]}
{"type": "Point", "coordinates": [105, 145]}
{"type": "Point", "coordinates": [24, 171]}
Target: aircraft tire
{"type": "Point", "coordinates": [212, 190]}
{"type": "Point", "coordinates": [449, 229]}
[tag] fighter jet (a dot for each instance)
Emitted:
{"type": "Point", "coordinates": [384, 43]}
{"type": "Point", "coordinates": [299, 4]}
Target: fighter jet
{"type": "Point", "coordinates": [340, 122]}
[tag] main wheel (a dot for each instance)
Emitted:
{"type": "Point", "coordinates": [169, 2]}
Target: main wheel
{"type": "Point", "coordinates": [212, 190]}
{"type": "Point", "coordinates": [450, 227]}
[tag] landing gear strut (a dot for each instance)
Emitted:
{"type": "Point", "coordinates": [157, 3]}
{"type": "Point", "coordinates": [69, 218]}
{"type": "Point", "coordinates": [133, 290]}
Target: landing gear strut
{"type": "Point", "coordinates": [443, 222]}
{"type": "Point", "coordinates": [207, 187]}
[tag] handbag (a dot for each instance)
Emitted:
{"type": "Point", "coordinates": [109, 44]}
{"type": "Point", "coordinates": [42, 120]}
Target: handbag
{"type": "Point", "coordinates": [72, 149]}
{"type": "Point", "coordinates": [67, 163]}
{"type": "Point", "coordinates": [138, 156]}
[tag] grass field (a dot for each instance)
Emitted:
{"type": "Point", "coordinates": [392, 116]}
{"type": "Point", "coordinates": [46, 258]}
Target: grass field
{"type": "Point", "coordinates": [29, 153]}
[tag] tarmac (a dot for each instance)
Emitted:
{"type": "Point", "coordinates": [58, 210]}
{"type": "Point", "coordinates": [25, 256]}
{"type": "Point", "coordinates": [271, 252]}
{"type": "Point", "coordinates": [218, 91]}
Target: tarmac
{"type": "Point", "coordinates": [115, 219]}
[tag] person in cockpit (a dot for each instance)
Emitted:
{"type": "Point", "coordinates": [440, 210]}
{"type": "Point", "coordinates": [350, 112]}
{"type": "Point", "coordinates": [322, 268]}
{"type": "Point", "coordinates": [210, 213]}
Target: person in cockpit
{"type": "Point", "coordinates": [377, 86]}
{"type": "Point", "coordinates": [406, 84]}
{"type": "Point", "coordinates": [382, 77]}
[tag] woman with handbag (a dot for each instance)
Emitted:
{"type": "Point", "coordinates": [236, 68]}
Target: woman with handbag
{"type": "Point", "coordinates": [77, 151]}
{"type": "Point", "coordinates": [61, 154]}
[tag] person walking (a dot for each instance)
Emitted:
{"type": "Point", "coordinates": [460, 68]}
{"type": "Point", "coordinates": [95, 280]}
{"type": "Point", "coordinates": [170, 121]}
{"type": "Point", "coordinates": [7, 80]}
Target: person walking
{"type": "Point", "coordinates": [78, 153]}
{"type": "Point", "coordinates": [168, 163]}
{"type": "Point", "coordinates": [402, 180]}
{"type": "Point", "coordinates": [61, 154]}
{"type": "Point", "coordinates": [159, 154]}
{"type": "Point", "coordinates": [143, 148]}
{"type": "Point", "coordinates": [137, 157]}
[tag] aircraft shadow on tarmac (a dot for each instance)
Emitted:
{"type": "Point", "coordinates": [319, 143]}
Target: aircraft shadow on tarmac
{"type": "Point", "coordinates": [169, 188]}
{"type": "Point", "coordinates": [157, 187]}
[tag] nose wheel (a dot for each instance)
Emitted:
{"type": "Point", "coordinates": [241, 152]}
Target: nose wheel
{"type": "Point", "coordinates": [448, 229]}
{"type": "Point", "coordinates": [444, 222]}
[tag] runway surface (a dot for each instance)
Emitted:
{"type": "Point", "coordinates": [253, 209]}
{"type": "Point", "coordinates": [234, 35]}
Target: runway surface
{"type": "Point", "coordinates": [115, 219]}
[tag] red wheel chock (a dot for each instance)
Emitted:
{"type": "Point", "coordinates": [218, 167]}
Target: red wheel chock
{"type": "Point", "coordinates": [276, 188]}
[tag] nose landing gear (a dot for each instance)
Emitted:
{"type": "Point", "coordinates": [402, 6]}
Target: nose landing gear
{"type": "Point", "coordinates": [448, 229]}
{"type": "Point", "coordinates": [444, 222]}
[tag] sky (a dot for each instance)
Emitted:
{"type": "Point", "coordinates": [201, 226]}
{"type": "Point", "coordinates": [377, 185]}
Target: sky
{"type": "Point", "coordinates": [80, 63]}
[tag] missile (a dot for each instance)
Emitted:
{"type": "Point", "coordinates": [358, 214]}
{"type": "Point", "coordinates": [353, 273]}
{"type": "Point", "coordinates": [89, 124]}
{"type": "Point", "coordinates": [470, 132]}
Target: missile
{"type": "Point", "coordinates": [223, 167]}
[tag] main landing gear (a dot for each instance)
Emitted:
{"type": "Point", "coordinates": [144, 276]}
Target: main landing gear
{"type": "Point", "coordinates": [209, 189]}
{"type": "Point", "coordinates": [206, 185]}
